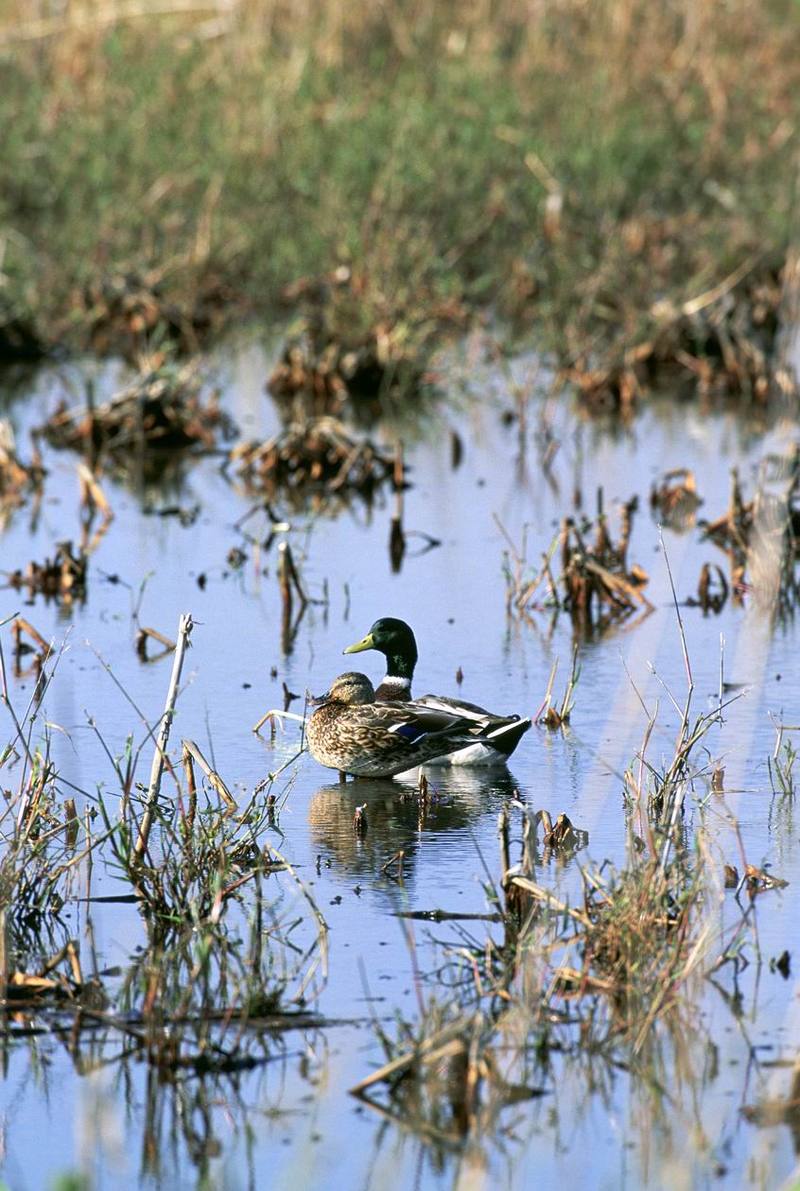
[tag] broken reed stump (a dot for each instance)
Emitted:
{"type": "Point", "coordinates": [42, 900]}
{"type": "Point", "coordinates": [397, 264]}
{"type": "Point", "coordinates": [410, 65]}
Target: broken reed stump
{"type": "Point", "coordinates": [191, 788]}
{"type": "Point", "coordinates": [712, 589]}
{"type": "Point", "coordinates": [41, 651]}
{"type": "Point", "coordinates": [20, 625]}
{"type": "Point", "coordinates": [93, 500]}
{"type": "Point", "coordinates": [561, 838]}
{"type": "Point", "coordinates": [596, 583]}
{"type": "Point", "coordinates": [185, 626]}
{"type": "Point", "coordinates": [397, 538]}
{"type": "Point", "coordinates": [523, 896]}
{"type": "Point", "coordinates": [734, 526]}
{"type": "Point", "coordinates": [556, 717]}
{"type": "Point", "coordinates": [518, 904]}
{"type": "Point", "coordinates": [289, 583]}
{"type": "Point", "coordinates": [675, 498]}
{"type": "Point", "coordinates": [92, 495]}
{"type": "Point", "coordinates": [62, 577]}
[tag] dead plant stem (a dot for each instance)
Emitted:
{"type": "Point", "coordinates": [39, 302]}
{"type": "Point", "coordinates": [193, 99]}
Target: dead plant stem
{"type": "Point", "coordinates": [185, 626]}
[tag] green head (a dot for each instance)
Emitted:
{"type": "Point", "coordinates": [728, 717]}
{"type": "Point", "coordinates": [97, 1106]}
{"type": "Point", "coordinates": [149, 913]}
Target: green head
{"type": "Point", "coordinates": [395, 640]}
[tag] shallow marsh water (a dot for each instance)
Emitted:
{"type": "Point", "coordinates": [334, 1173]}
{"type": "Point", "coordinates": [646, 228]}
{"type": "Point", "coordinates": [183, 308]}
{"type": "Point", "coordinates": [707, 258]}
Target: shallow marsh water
{"type": "Point", "coordinates": [291, 1121]}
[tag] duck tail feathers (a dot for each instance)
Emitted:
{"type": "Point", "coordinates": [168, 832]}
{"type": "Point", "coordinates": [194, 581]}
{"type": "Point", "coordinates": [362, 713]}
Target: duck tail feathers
{"type": "Point", "coordinates": [507, 736]}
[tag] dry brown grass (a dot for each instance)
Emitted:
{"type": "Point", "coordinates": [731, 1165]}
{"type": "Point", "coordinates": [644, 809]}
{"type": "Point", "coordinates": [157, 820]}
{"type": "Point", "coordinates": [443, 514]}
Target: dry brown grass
{"type": "Point", "coordinates": [583, 167]}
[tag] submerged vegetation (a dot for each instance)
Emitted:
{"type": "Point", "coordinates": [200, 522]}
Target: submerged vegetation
{"type": "Point", "coordinates": [389, 173]}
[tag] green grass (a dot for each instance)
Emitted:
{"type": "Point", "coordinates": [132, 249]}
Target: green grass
{"type": "Point", "coordinates": [408, 149]}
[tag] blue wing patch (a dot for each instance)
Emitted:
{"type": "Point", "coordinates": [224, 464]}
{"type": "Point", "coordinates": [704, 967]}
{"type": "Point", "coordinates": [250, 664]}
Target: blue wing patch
{"type": "Point", "coordinates": [409, 732]}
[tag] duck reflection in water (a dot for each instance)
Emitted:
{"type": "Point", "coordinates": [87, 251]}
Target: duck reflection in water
{"type": "Point", "coordinates": [398, 813]}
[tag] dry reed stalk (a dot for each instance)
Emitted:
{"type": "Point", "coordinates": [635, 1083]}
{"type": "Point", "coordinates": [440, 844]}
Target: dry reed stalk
{"type": "Point", "coordinates": [275, 716]}
{"type": "Point", "coordinates": [289, 583]}
{"type": "Point", "coordinates": [92, 495]}
{"type": "Point", "coordinates": [185, 626]}
{"type": "Point", "coordinates": [141, 643]}
{"type": "Point", "coordinates": [426, 1052]}
{"type": "Point", "coordinates": [191, 787]}
{"type": "Point", "coordinates": [190, 750]}
{"type": "Point", "coordinates": [20, 625]}
{"type": "Point", "coordinates": [397, 538]}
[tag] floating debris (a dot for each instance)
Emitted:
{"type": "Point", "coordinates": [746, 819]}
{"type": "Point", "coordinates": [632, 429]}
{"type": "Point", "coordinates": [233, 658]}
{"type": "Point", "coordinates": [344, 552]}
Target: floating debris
{"type": "Point", "coordinates": [782, 964]}
{"type": "Point", "coordinates": [561, 837]}
{"type": "Point", "coordinates": [236, 558]}
{"type": "Point", "coordinates": [61, 578]}
{"type": "Point", "coordinates": [675, 498]}
{"type": "Point", "coordinates": [48, 982]}
{"type": "Point", "coordinates": [758, 880]}
{"type": "Point", "coordinates": [731, 876]}
{"type": "Point", "coordinates": [733, 527]}
{"type": "Point", "coordinates": [317, 456]}
{"type": "Point", "coordinates": [712, 590]}
{"type": "Point", "coordinates": [160, 412]}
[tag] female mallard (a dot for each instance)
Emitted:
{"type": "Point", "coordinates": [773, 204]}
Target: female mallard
{"type": "Point", "coordinates": [350, 732]}
{"type": "Point", "coordinates": [395, 640]}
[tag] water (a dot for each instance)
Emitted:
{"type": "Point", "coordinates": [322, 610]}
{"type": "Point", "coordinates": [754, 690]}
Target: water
{"type": "Point", "coordinates": [291, 1120]}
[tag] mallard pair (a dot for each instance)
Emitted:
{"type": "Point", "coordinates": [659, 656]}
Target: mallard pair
{"type": "Point", "coordinates": [500, 734]}
{"type": "Point", "coordinates": [370, 733]}
{"type": "Point", "coordinates": [353, 733]}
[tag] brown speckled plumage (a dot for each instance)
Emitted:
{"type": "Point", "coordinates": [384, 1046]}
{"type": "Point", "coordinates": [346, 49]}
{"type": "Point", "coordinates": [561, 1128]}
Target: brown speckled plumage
{"type": "Point", "coordinates": [350, 732]}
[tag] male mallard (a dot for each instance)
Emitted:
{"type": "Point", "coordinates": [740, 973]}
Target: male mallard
{"type": "Point", "coordinates": [350, 732]}
{"type": "Point", "coordinates": [395, 640]}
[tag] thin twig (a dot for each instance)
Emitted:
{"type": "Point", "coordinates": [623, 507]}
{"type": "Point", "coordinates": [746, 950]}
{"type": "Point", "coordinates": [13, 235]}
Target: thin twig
{"type": "Point", "coordinates": [185, 626]}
